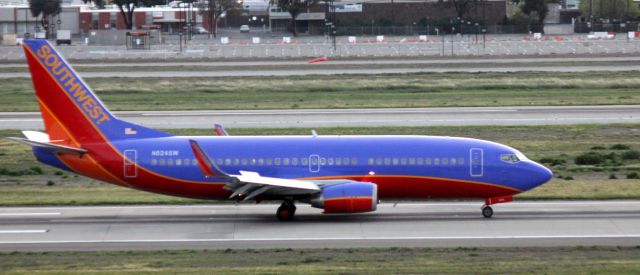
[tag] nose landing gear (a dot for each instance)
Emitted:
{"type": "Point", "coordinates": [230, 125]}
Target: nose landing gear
{"type": "Point", "coordinates": [487, 211]}
{"type": "Point", "coordinates": [286, 211]}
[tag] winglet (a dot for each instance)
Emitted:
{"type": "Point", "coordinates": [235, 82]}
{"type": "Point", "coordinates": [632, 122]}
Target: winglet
{"type": "Point", "coordinates": [208, 167]}
{"type": "Point", "coordinates": [220, 131]}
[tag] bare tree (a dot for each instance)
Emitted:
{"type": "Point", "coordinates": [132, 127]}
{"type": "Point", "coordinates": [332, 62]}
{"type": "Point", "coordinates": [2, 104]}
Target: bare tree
{"type": "Point", "coordinates": [537, 7]}
{"type": "Point", "coordinates": [295, 7]}
{"type": "Point", "coordinates": [462, 7]}
{"type": "Point", "coordinates": [213, 9]}
{"type": "Point", "coordinates": [45, 8]}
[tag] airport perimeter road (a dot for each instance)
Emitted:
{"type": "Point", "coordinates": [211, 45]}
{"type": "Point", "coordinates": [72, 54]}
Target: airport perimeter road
{"type": "Point", "coordinates": [446, 224]}
{"type": "Point", "coordinates": [333, 71]}
{"type": "Point", "coordinates": [535, 115]}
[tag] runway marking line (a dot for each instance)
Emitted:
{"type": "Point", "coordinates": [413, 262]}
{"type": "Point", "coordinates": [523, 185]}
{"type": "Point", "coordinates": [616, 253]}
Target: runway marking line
{"type": "Point", "coordinates": [514, 237]}
{"type": "Point", "coordinates": [24, 231]}
{"type": "Point", "coordinates": [30, 214]}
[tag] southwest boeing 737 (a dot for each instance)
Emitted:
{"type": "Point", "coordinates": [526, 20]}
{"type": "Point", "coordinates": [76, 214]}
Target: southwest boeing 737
{"type": "Point", "coordinates": [339, 174]}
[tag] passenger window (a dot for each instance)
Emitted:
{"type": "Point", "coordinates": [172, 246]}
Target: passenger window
{"type": "Point", "coordinates": [436, 161]}
{"type": "Point", "coordinates": [194, 162]}
{"type": "Point", "coordinates": [269, 161]}
{"type": "Point", "coordinates": [260, 162]}
{"type": "Point", "coordinates": [345, 161]}
{"type": "Point", "coordinates": [323, 161]}
{"type": "Point", "coordinates": [285, 161]}
{"type": "Point", "coordinates": [294, 161]}
{"type": "Point", "coordinates": [277, 161]}
{"type": "Point", "coordinates": [453, 161]}
{"type": "Point", "coordinates": [371, 161]}
{"type": "Point", "coordinates": [178, 162]}
{"type": "Point", "coordinates": [244, 161]}
{"type": "Point", "coordinates": [395, 161]}
{"type": "Point", "coordinates": [170, 162]}
{"type": "Point", "coordinates": [162, 162]}
{"type": "Point", "coordinates": [461, 161]}
{"type": "Point", "coordinates": [427, 161]}
{"type": "Point", "coordinates": [403, 161]}
{"type": "Point", "coordinates": [419, 161]}
{"type": "Point", "coordinates": [187, 162]}
{"type": "Point", "coordinates": [330, 161]}
{"type": "Point", "coordinates": [445, 161]}
{"type": "Point", "coordinates": [236, 162]}
{"type": "Point", "coordinates": [412, 161]}
{"type": "Point", "coordinates": [387, 161]}
{"type": "Point", "coordinates": [354, 161]}
{"type": "Point", "coordinates": [227, 162]}
{"type": "Point", "coordinates": [378, 161]}
{"type": "Point", "coordinates": [219, 161]}
{"type": "Point", "coordinates": [253, 161]}
{"type": "Point", "coordinates": [305, 161]}
{"type": "Point", "coordinates": [338, 161]}
{"type": "Point", "coordinates": [154, 162]}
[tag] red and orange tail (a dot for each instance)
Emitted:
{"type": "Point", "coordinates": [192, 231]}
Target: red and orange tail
{"type": "Point", "coordinates": [70, 110]}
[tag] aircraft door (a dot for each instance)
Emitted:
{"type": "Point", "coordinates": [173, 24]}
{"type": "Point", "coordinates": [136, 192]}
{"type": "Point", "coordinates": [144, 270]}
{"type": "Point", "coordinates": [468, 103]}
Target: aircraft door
{"type": "Point", "coordinates": [476, 162]}
{"type": "Point", "coordinates": [314, 163]}
{"type": "Point", "coordinates": [130, 160]}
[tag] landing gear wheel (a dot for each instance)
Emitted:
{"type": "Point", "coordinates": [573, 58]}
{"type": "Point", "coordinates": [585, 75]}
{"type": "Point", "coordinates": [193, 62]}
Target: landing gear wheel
{"type": "Point", "coordinates": [286, 211]}
{"type": "Point", "coordinates": [487, 211]}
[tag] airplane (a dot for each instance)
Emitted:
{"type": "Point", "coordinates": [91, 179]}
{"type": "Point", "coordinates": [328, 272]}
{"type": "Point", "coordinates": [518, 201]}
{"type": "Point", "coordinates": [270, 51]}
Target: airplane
{"type": "Point", "coordinates": [339, 174]}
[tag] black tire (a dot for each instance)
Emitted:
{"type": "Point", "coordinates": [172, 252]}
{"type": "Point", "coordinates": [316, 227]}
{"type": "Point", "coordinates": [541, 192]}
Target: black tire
{"type": "Point", "coordinates": [487, 211]}
{"type": "Point", "coordinates": [286, 211]}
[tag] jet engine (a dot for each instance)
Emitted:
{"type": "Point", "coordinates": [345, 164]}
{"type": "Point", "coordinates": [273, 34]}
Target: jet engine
{"type": "Point", "coordinates": [350, 197]}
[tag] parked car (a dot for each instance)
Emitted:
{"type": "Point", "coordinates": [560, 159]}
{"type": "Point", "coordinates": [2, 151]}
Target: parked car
{"type": "Point", "coordinates": [197, 30]}
{"type": "Point", "coordinates": [244, 28]}
{"type": "Point", "coordinates": [63, 37]}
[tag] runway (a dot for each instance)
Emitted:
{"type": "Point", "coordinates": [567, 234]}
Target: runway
{"type": "Point", "coordinates": [525, 115]}
{"type": "Point", "coordinates": [436, 224]}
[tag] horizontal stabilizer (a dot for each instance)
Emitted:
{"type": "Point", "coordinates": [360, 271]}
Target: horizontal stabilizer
{"type": "Point", "coordinates": [53, 147]}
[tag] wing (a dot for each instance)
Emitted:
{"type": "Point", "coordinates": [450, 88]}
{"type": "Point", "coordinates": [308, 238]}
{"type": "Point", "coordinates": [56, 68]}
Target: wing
{"type": "Point", "coordinates": [251, 184]}
{"type": "Point", "coordinates": [220, 131]}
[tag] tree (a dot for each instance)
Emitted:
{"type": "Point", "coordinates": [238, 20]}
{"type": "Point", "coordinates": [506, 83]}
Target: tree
{"type": "Point", "coordinates": [127, 7]}
{"type": "Point", "coordinates": [613, 9]}
{"type": "Point", "coordinates": [295, 7]}
{"type": "Point", "coordinates": [539, 8]}
{"type": "Point", "coordinates": [46, 8]}
{"type": "Point", "coordinates": [462, 7]}
{"type": "Point", "coordinates": [213, 9]}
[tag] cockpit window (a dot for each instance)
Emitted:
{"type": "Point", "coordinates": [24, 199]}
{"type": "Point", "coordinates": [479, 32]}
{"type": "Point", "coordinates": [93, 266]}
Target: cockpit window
{"type": "Point", "coordinates": [509, 158]}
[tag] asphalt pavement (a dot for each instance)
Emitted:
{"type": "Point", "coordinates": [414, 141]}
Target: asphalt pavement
{"type": "Point", "coordinates": [443, 224]}
{"type": "Point", "coordinates": [524, 115]}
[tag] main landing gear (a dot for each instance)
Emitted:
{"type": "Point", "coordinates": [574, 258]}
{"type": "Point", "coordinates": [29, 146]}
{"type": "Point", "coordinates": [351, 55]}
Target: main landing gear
{"type": "Point", "coordinates": [286, 211]}
{"type": "Point", "coordinates": [487, 211]}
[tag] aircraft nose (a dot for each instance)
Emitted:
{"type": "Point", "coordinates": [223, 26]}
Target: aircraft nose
{"type": "Point", "coordinates": [542, 174]}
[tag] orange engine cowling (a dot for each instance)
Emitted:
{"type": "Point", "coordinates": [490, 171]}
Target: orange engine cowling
{"type": "Point", "coordinates": [350, 197]}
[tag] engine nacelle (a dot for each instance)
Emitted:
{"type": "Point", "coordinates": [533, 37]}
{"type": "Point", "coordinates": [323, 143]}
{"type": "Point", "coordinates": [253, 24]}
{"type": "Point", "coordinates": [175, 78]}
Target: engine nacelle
{"type": "Point", "coordinates": [351, 197]}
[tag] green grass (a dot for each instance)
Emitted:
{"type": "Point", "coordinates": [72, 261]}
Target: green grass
{"type": "Point", "coordinates": [527, 260]}
{"type": "Point", "coordinates": [28, 187]}
{"type": "Point", "coordinates": [349, 91]}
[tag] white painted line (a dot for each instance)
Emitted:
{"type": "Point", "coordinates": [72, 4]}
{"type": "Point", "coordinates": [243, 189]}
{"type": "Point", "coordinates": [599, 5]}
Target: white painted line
{"type": "Point", "coordinates": [24, 231]}
{"type": "Point", "coordinates": [30, 214]}
{"type": "Point", "coordinates": [441, 238]}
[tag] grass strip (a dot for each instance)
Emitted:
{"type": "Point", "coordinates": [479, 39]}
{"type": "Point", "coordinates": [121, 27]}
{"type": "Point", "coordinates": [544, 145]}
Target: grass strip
{"type": "Point", "coordinates": [349, 91]}
{"type": "Point", "coordinates": [526, 260]}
